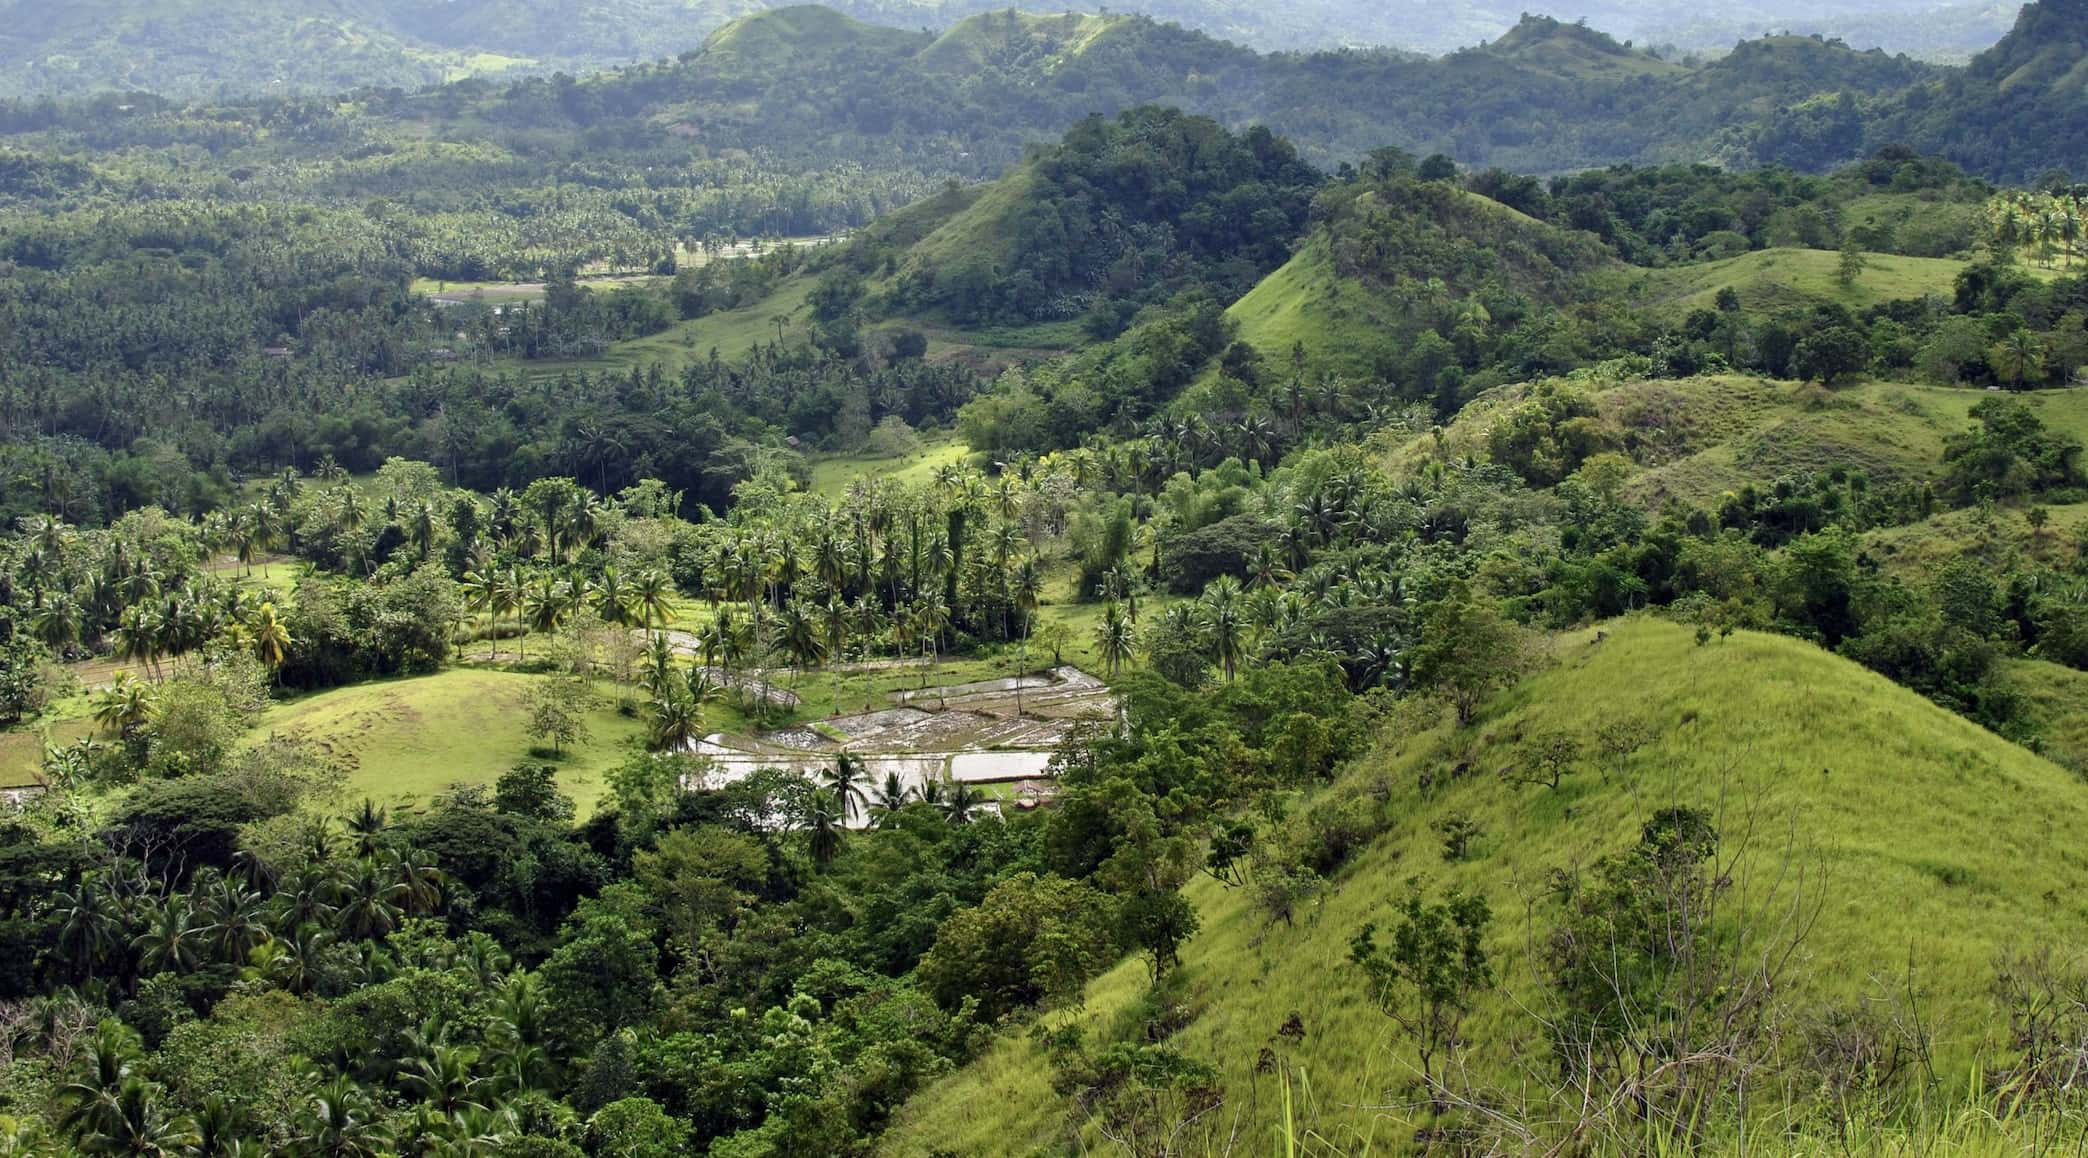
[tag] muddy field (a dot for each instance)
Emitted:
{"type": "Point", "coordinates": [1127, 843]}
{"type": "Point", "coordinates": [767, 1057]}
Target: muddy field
{"type": "Point", "coordinates": [989, 732]}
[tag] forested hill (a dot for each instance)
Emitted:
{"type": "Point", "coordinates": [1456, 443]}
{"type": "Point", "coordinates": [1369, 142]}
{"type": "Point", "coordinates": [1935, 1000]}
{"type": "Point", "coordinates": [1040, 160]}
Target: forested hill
{"type": "Point", "coordinates": [811, 87]}
{"type": "Point", "coordinates": [227, 48]}
{"type": "Point", "coordinates": [1548, 96]}
{"type": "Point", "coordinates": [2018, 109]}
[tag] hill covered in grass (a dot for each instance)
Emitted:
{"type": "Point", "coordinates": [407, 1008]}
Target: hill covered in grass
{"type": "Point", "coordinates": [1881, 851]}
{"type": "Point", "coordinates": [1392, 260]}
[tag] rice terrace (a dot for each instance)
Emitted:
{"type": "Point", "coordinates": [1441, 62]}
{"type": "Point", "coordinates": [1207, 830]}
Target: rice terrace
{"type": "Point", "coordinates": [998, 734]}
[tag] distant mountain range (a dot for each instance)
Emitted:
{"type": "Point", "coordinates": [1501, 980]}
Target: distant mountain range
{"type": "Point", "coordinates": [1545, 97]}
{"type": "Point", "coordinates": [811, 88]}
{"type": "Point", "coordinates": [226, 48]}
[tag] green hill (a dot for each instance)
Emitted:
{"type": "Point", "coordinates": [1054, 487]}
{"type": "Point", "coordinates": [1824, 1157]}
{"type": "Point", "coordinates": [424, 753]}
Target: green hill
{"type": "Point", "coordinates": [1391, 260]}
{"type": "Point", "coordinates": [1830, 786]}
{"type": "Point", "coordinates": [2016, 110]}
{"type": "Point", "coordinates": [1344, 324]}
{"type": "Point", "coordinates": [1012, 39]}
{"type": "Point", "coordinates": [761, 47]}
{"type": "Point", "coordinates": [1576, 51]}
{"type": "Point", "coordinates": [2055, 695]}
{"type": "Point", "coordinates": [1694, 439]}
{"type": "Point", "coordinates": [1774, 279]}
{"type": "Point", "coordinates": [1120, 213]}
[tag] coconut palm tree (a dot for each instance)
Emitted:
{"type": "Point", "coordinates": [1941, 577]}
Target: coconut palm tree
{"type": "Point", "coordinates": [961, 803]}
{"type": "Point", "coordinates": [1115, 638]}
{"type": "Point", "coordinates": [234, 919]}
{"type": "Point", "coordinates": [825, 826]}
{"type": "Point", "coordinates": [505, 599]}
{"type": "Point", "coordinates": [1219, 615]}
{"type": "Point", "coordinates": [308, 897]}
{"type": "Point", "coordinates": [368, 909]}
{"type": "Point", "coordinates": [420, 528]}
{"type": "Point", "coordinates": [478, 589]}
{"type": "Point", "coordinates": [442, 1078]}
{"type": "Point", "coordinates": [613, 600]}
{"type": "Point", "coordinates": [106, 1062]}
{"type": "Point", "coordinates": [676, 721]}
{"type": "Point", "coordinates": [890, 795]}
{"type": "Point", "coordinates": [222, 1129]}
{"type": "Point", "coordinates": [1026, 590]}
{"type": "Point", "coordinates": [124, 706]}
{"type": "Point", "coordinates": [418, 883]}
{"type": "Point", "coordinates": [340, 1122]}
{"type": "Point", "coordinates": [932, 619]}
{"type": "Point", "coordinates": [799, 634]}
{"type": "Point", "coordinates": [2019, 359]}
{"type": "Point", "coordinates": [651, 594]}
{"type": "Point", "coordinates": [172, 941]}
{"type": "Point", "coordinates": [366, 827]}
{"type": "Point", "coordinates": [88, 928]}
{"type": "Point", "coordinates": [293, 960]}
{"type": "Point", "coordinates": [136, 1120]}
{"type": "Point", "coordinates": [271, 639]}
{"type": "Point", "coordinates": [546, 604]}
{"type": "Point", "coordinates": [58, 623]}
{"type": "Point", "coordinates": [656, 669]}
{"type": "Point", "coordinates": [846, 781]}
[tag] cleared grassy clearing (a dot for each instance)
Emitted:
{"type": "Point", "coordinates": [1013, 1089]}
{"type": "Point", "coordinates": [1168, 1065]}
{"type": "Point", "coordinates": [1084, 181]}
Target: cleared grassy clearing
{"type": "Point", "coordinates": [1773, 279]}
{"type": "Point", "coordinates": [22, 748]}
{"type": "Point", "coordinates": [1699, 437]}
{"type": "Point", "coordinates": [832, 474]}
{"type": "Point", "coordinates": [403, 741]}
{"type": "Point", "coordinates": [2002, 536]}
{"type": "Point", "coordinates": [733, 333]}
{"type": "Point", "coordinates": [2057, 699]}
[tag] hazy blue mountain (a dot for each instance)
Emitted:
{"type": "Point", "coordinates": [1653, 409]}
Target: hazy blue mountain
{"type": "Point", "coordinates": [189, 48]}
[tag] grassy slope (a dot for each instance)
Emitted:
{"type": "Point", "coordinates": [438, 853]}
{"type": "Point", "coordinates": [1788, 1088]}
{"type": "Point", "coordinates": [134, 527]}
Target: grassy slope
{"type": "Point", "coordinates": [978, 42]}
{"type": "Point", "coordinates": [2003, 537]}
{"type": "Point", "coordinates": [21, 748]}
{"type": "Point", "coordinates": [732, 332]}
{"type": "Point", "coordinates": [1697, 438]}
{"type": "Point", "coordinates": [1918, 818]}
{"type": "Point", "coordinates": [405, 740]}
{"type": "Point", "coordinates": [1347, 325]}
{"type": "Point", "coordinates": [1340, 320]}
{"type": "Point", "coordinates": [773, 42]}
{"type": "Point", "coordinates": [980, 233]}
{"type": "Point", "coordinates": [1772, 279]}
{"type": "Point", "coordinates": [2055, 698]}
{"type": "Point", "coordinates": [1893, 431]}
{"type": "Point", "coordinates": [831, 474]}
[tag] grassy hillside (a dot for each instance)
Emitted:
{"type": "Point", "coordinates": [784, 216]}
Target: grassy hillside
{"type": "Point", "coordinates": [2002, 536]}
{"type": "Point", "coordinates": [2055, 696]}
{"type": "Point", "coordinates": [765, 44]}
{"type": "Point", "coordinates": [1011, 38]}
{"type": "Point", "coordinates": [1342, 322]}
{"type": "Point", "coordinates": [1396, 259]}
{"type": "Point", "coordinates": [403, 741]}
{"type": "Point", "coordinates": [1913, 821]}
{"type": "Point", "coordinates": [1575, 51]}
{"type": "Point", "coordinates": [1694, 439]}
{"type": "Point", "coordinates": [1773, 279]}
{"type": "Point", "coordinates": [733, 333]}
